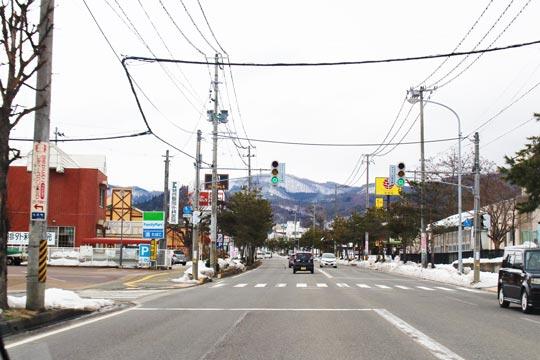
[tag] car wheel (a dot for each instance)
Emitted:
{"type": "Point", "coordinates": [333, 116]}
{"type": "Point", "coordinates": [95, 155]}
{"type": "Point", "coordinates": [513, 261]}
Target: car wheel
{"type": "Point", "coordinates": [312, 271]}
{"type": "Point", "coordinates": [335, 266]}
{"type": "Point", "coordinates": [502, 303]}
{"type": "Point", "coordinates": [320, 266]}
{"type": "Point", "coordinates": [9, 261]}
{"type": "Point", "coordinates": [525, 302]}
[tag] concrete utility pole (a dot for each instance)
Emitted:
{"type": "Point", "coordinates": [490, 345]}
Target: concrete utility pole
{"type": "Point", "coordinates": [366, 234]}
{"type": "Point", "coordinates": [423, 237]}
{"type": "Point", "coordinates": [477, 226]}
{"type": "Point", "coordinates": [37, 243]}
{"type": "Point", "coordinates": [295, 237]}
{"type": "Point", "coordinates": [249, 156]}
{"type": "Point", "coordinates": [213, 224]}
{"type": "Point", "coordinates": [163, 242]}
{"type": "Point", "coordinates": [195, 242]}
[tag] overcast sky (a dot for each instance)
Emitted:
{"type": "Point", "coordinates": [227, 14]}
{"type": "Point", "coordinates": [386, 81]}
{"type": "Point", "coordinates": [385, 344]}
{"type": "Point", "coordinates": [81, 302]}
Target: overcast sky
{"type": "Point", "coordinates": [349, 104]}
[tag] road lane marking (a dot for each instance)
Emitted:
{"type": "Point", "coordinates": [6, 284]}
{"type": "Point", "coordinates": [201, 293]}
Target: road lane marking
{"type": "Point", "coordinates": [403, 287]}
{"type": "Point", "coordinates": [445, 289]}
{"type": "Point", "coordinates": [322, 285]}
{"type": "Point", "coordinates": [325, 273]}
{"type": "Point", "coordinates": [260, 285]}
{"type": "Point", "coordinates": [363, 286]}
{"type": "Point", "coordinates": [67, 328]}
{"type": "Point", "coordinates": [280, 285]}
{"type": "Point", "coordinates": [133, 282]}
{"type": "Point", "coordinates": [240, 285]}
{"type": "Point", "coordinates": [438, 350]}
{"type": "Point", "coordinates": [383, 286]}
{"type": "Point", "coordinates": [425, 288]}
{"type": "Point", "coordinates": [218, 285]}
{"type": "Point", "coordinates": [531, 320]}
{"type": "Point", "coordinates": [342, 285]}
{"type": "Point", "coordinates": [224, 336]}
{"type": "Point", "coordinates": [462, 301]}
{"type": "Point", "coordinates": [256, 309]}
{"type": "Point", "coordinates": [302, 285]}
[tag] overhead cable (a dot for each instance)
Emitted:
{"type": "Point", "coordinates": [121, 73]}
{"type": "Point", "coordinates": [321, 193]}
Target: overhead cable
{"type": "Point", "coordinates": [336, 63]}
{"type": "Point", "coordinates": [197, 27]}
{"type": "Point", "coordinates": [508, 132]}
{"type": "Point", "coordinates": [115, 137]}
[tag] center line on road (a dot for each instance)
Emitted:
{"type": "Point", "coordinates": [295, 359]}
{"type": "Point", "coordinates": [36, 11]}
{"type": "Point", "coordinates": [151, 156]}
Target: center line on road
{"type": "Point", "coordinates": [342, 285]}
{"type": "Point", "coordinates": [281, 285]}
{"type": "Point", "coordinates": [218, 285]}
{"type": "Point", "coordinates": [240, 285]}
{"type": "Point", "coordinates": [321, 285]}
{"type": "Point", "coordinates": [425, 288]}
{"type": "Point", "coordinates": [382, 286]}
{"type": "Point", "coordinates": [445, 289]}
{"type": "Point", "coordinates": [531, 320]}
{"type": "Point", "coordinates": [325, 273]}
{"type": "Point", "coordinates": [255, 309]}
{"type": "Point", "coordinates": [364, 286]}
{"type": "Point", "coordinates": [403, 287]}
{"type": "Point", "coordinates": [438, 350]}
{"type": "Point", "coordinates": [260, 285]}
{"type": "Point", "coordinates": [301, 285]}
{"type": "Point", "coordinates": [471, 290]}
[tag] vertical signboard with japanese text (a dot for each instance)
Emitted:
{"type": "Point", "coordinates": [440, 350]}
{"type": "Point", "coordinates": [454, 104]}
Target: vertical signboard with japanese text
{"type": "Point", "coordinates": [173, 203]}
{"type": "Point", "coordinates": [40, 181]}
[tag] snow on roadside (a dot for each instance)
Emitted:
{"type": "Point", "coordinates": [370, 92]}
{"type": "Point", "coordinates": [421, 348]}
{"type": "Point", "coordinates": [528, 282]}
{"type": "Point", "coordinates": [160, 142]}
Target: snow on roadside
{"type": "Point", "coordinates": [62, 299]}
{"type": "Point", "coordinates": [442, 273]}
{"type": "Point", "coordinates": [187, 277]}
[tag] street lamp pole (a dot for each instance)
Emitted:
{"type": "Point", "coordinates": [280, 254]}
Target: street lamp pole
{"type": "Point", "coordinates": [459, 171]}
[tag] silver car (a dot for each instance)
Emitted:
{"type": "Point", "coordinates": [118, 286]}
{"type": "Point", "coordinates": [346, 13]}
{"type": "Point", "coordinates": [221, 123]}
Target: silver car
{"type": "Point", "coordinates": [328, 259]}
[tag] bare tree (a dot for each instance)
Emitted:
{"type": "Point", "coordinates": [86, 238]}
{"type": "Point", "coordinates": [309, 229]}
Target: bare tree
{"type": "Point", "coordinates": [18, 64]}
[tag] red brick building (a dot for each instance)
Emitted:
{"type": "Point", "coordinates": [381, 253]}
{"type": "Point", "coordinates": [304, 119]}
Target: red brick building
{"type": "Point", "coordinates": [77, 198]}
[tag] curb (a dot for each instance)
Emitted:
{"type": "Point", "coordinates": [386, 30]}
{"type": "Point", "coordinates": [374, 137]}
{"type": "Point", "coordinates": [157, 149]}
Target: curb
{"type": "Point", "coordinates": [48, 317]}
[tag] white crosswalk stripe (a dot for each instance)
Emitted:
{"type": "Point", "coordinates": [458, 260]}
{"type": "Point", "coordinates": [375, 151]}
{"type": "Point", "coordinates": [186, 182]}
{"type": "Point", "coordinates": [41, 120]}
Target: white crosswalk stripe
{"type": "Point", "coordinates": [403, 287]}
{"type": "Point", "coordinates": [281, 285]}
{"type": "Point", "coordinates": [342, 285]}
{"type": "Point", "coordinates": [218, 285]}
{"type": "Point", "coordinates": [382, 286]}
{"type": "Point", "coordinates": [363, 286]}
{"type": "Point", "coordinates": [425, 288]}
{"type": "Point", "coordinates": [260, 285]}
{"type": "Point", "coordinates": [445, 289]}
{"type": "Point", "coordinates": [240, 285]}
{"type": "Point", "coordinates": [322, 285]}
{"type": "Point", "coordinates": [301, 285]}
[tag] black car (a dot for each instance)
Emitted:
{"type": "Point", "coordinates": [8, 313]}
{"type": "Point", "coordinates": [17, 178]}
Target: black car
{"type": "Point", "coordinates": [519, 278]}
{"type": "Point", "coordinates": [303, 262]}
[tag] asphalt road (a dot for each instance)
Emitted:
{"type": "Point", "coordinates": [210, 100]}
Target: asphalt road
{"type": "Point", "coordinates": [269, 313]}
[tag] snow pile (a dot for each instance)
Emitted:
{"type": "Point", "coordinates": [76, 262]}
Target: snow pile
{"type": "Point", "coordinates": [62, 299]}
{"type": "Point", "coordinates": [65, 254]}
{"type": "Point", "coordinates": [187, 278]}
{"type": "Point", "coordinates": [470, 260]}
{"type": "Point", "coordinates": [442, 273]}
{"type": "Point", "coordinates": [64, 262]}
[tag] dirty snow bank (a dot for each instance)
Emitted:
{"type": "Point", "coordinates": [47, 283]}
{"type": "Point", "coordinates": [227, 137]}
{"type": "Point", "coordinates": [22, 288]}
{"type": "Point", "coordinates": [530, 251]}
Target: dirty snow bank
{"type": "Point", "coordinates": [62, 299]}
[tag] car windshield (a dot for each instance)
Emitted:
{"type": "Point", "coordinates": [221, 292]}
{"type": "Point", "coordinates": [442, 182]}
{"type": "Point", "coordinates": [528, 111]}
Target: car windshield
{"type": "Point", "coordinates": [328, 256]}
{"type": "Point", "coordinates": [532, 260]}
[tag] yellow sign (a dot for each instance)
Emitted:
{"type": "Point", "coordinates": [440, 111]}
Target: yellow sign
{"type": "Point", "coordinates": [379, 203]}
{"type": "Point", "coordinates": [382, 187]}
{"type": "Point", "coordinates": [153, 250]}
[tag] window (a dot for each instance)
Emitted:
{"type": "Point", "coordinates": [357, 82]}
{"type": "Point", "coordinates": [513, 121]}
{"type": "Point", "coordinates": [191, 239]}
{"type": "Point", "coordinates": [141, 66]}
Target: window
{"type": "Point", "coordinates": [102, 196]}
{"type": "Point", "coordinates": [518, 260]}
{"type": "Point", "coordinates": [66, 236]}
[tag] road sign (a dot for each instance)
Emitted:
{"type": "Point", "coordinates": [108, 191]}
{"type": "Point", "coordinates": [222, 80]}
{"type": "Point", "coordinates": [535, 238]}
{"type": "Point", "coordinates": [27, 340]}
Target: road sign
{"type": "Point", "coordinates": [383, 187]}
{"type": "Point", "coordinates": [144, 253]}
{"type": "Point", "coordinates": [40, 181]}
{"type": "Point", "coordinates": [187, 210]}
{"type": "Point", "coordinates": [153, 250]}
{"type": "Point", "coordinates": [153, 225]}
{"type": "Point", "coordinates": [222, 181]}
{"type": "Point", "coordinates": [379, 203]}
{"type": "Point", "coordinates": [205, 197]}
{"type": "Point", "coordinates": [173, 203]}
{"type": "Point", "coordinates": [392, 174]}
{"type": "Point", "coordinates": [21, 238]}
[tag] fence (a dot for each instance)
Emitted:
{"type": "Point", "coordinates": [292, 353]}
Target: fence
{"type": "Point", "coordinates": [450, 257]}
{"type": "Point", "coordinates": [107, 257]}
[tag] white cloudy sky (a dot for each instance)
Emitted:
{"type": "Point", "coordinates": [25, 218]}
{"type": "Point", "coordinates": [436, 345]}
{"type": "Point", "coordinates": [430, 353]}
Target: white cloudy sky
{"type": "Point", "coordinates": [351, 104]}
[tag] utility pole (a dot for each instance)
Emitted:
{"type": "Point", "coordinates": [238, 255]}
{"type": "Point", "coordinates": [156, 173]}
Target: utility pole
{"type": "Point", "coordinates": [37, 243]}
{"type": "Point", "coordinates": [298, 240]}
{"type": "Point", "coordinates": [163, 242]}
{"type": "Point", "coordinates": [335, 201]}
{"type": "Point", "coordinates": [196, 219]}
{"type": "Point", "coordinates": [249, 156]}
{"type": "Point", "coordinates": [366, 234]}
{"type": "Point", "coordinates": [213, 224]}
{"type": "Point", "coordinates": [477, 227]}
{"type": "Point", "coordinates": [423, 235]}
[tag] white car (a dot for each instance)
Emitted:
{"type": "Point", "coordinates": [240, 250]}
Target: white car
{"type": "Point", "coordinates": [328, 259]}
{"type": "Point", "coordinates": [260, 255]}
{"type": "Point", "coordinates": [267, 255]}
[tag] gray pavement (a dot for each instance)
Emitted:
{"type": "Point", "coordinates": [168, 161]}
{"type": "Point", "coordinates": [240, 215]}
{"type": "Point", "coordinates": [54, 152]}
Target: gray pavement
{"type": "Point", "coordinates": [271, 313]}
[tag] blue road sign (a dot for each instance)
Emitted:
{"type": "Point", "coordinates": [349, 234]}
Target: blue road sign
{"type": "Point", "coordinates": [153, 234]}
{"type": "Point", "coordinates": [188, 210]}
{"type": "Point", "coordinates": [144, 253]}
{"type": "Point", "coordinates": [468, 223]}
{"type": "Point", "coordinates": [38, 215]}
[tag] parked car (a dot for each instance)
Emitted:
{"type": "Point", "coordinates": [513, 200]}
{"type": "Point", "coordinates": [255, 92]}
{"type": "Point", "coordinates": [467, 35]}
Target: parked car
{"type": "Point", "coordinates": [267, 255]}
{"type": "Point", "coordinates": [291, 260]}
{"type": "Point", "coordinates": [328, 259]}
{"type": "Point", "coordinates": [303, 261]}
{"type": "Point", "coordinates": [16, 255]}
{"type": "Point", "coordinates": [260, 255]}
{"type": "Point", "coordinates": [179, 257]}
{"type": "Point", "coordinates": [519, 278]}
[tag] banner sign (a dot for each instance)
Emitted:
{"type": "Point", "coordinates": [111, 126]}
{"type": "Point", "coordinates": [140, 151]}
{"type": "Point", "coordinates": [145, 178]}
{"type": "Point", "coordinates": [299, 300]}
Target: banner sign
{"type": "Point", "coordinates": [173, 203]}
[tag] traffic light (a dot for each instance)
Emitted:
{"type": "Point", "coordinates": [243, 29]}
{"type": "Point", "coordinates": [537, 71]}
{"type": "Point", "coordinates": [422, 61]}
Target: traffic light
{"type": "Point", "coordinates": [274, 179]}
{"type": "Point", "coordinates": [401, 174]}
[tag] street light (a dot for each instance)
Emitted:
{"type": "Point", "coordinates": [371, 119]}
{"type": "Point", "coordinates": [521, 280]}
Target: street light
{"type": "Point", "coordinates": [414, 99]}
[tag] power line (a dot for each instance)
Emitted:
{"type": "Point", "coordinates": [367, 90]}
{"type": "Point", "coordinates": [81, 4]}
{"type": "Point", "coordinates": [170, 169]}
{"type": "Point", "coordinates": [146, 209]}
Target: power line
{"type": "Point", "coordinates": [336, 63]}
{"type": "Point", "coordinates": [508, 132]}
{"type": "Point", "coordinates": [210, 28]}
{"type": "Point", "coordinates": [491, 44]}
{"type": "Point", "coordinates": [196, 27]}
{"type": "Point", "coordinates": [143, 133]}
{"type": "Point", "coordinates": [393, 124]}
{"type": "Point", "coordinates": [338, 144]}
{"type": "Point", "coordinates": [405, 135]}
{"type": "Point", "coordinates": [458, 45]}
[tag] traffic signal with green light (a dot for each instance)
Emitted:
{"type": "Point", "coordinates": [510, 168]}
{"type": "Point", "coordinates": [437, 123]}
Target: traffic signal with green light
{"type": "Point", "coordinates": [401, 175]}
{"type": "Point", "coordinates": [274, 179]}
